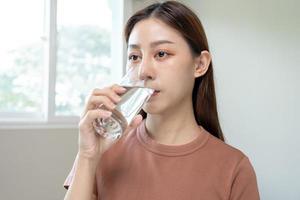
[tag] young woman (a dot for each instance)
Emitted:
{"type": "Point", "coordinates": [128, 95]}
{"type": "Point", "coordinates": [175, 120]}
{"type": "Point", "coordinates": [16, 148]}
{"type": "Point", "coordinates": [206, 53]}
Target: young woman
{"type": "Point", "coordinates": [177, 151]}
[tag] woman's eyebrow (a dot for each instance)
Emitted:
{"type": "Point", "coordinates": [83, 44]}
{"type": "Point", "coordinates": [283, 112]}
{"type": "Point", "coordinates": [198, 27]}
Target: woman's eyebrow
{"type": "Point", "coordinates": [134, 46]}
{"type": "Point", "coordinates": [152, 44]}
{"type": "Point", "coordinates": [159, 42]}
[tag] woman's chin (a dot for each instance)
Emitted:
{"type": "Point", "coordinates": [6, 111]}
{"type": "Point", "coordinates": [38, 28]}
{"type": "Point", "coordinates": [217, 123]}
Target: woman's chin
{"type": "Point", "coordinates": [151, 108]}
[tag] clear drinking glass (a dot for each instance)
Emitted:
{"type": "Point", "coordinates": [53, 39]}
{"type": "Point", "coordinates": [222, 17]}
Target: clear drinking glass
{"type": "Point", "coordinates": [130, 105]}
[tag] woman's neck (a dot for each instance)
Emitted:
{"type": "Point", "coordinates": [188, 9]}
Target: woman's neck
{"type": "Point", "coordinates": [175, 127]}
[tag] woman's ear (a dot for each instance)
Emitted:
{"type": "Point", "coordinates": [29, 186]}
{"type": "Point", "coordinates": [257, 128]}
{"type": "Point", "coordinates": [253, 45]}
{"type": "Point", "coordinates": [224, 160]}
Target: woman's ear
{"type": "Point", "coordinates": [202, 63]}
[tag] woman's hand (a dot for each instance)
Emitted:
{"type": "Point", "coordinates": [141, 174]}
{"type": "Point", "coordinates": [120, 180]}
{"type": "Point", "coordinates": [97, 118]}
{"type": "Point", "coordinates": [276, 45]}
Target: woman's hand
{"type": "Point", "coordinates": [91, 144]}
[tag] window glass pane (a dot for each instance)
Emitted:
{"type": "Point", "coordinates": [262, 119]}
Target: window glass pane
{"type": "Point", "coordinates": [83, 54]}
{"type": "Point", "coordinates": [21, 56]}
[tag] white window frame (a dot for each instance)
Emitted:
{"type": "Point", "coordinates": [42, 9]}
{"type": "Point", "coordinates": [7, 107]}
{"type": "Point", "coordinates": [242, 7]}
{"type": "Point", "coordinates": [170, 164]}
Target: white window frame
{"type": "Point", "coordinates": [48, 119]}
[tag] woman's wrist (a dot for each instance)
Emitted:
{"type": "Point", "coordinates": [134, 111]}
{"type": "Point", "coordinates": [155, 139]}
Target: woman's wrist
{"type": "Point", "coordinates": [91, 161]}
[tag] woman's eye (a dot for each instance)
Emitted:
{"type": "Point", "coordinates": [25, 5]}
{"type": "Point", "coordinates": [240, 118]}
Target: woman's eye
{"type": "Point", "coordinates": [162, 54]}
{"type": "Point", "coordinates": [133, 57]}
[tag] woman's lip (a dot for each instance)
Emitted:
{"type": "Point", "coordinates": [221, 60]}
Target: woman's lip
{"type": "Point", "coordinates": [155, 93]}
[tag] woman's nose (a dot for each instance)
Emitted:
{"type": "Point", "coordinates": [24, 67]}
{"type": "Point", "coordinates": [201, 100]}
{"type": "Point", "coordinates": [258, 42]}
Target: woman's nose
{"type": "Point", "coordinates": [146, 70]}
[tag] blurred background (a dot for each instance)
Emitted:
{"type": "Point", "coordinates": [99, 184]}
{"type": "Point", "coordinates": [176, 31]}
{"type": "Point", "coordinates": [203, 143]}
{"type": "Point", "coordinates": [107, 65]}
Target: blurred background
{"type": "Point", "coordinates": [54, 52]}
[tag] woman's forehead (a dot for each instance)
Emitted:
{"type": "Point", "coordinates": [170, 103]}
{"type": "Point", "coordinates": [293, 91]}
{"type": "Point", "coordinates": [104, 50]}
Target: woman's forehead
{"type": "Point", "coordinates": [153, 31]}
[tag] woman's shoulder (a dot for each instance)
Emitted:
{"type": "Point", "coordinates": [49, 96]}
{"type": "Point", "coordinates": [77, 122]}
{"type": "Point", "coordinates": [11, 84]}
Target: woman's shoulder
{"type": "Point", "coordinates": [222, 150]}
{"type": "Point", "coordinates": [229, 158]}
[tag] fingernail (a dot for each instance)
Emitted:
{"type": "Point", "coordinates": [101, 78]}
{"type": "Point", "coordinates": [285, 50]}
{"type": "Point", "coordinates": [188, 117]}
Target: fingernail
{"type": "Point", "coordinates": [122, 89]}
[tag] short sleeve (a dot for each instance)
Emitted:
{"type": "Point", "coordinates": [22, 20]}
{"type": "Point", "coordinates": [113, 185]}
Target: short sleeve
{"type": "Point", "coordinates": [70, 176]}
{"type": "Point", "coordinates": [244, 185]}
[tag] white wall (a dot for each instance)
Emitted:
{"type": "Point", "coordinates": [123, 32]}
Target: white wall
{"type": "Point", "coordinates": [35, 162]}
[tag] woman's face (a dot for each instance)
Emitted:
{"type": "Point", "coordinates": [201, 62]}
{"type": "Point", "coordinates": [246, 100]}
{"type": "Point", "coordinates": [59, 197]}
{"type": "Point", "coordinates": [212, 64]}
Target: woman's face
{"type": "Point", "coordinates": [164, 59]}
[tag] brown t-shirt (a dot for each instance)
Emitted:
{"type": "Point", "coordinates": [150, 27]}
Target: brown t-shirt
{"type": "Point", "coordinates": [139, 168]}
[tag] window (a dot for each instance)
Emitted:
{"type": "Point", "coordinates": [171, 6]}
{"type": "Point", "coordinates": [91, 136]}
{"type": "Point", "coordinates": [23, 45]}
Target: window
{"type": "Point", "coordinates": [21, 53]}
{"type": "Point", "coordinates": [53, 53]}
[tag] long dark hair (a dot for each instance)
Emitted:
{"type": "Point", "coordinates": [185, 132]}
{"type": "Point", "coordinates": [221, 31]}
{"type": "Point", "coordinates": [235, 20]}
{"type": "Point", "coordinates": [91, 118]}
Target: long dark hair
{"type": "Point", "coordinates": [184, 20]}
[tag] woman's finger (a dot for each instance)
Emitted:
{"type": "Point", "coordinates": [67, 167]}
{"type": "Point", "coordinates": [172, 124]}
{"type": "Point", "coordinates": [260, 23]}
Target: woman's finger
{"type": "Point", "coordinates": [96, 101]}
{"type": "Point", "coordinates": [91, 116]}
{"type": "Point", "coordinates": [133, 125]}
{"type": "Point", "coordinates": [109, 92]}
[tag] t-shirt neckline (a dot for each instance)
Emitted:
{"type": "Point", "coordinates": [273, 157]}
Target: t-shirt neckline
{"type": "Point", "coordinates": [171, 150]}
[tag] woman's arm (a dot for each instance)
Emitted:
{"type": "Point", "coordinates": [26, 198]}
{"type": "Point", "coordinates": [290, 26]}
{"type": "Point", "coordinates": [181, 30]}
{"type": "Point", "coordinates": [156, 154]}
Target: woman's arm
{"type": "Point", "coordinates": [83, 183]}
{"type": "Point", "coordinates": [91, 144]}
